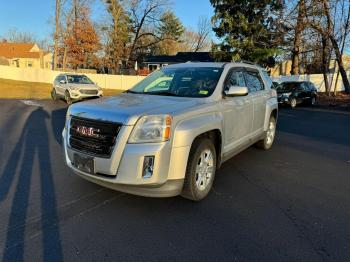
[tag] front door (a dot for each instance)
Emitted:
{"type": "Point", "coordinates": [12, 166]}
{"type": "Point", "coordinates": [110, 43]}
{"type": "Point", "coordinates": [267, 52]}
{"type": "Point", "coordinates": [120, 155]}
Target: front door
{"type": "Point", "coordinates": [61, 86]}
{"type": "Point", "coordinates": [238, 113]}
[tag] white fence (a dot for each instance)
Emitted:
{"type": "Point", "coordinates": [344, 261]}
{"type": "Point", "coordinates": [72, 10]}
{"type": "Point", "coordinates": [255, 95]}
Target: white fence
{"type": "Point", "coordinates": [47, 76]}
{"type": "Point", "coordinates": [316, 79]}
{"type": "Point", "coordinates": [125, 82]}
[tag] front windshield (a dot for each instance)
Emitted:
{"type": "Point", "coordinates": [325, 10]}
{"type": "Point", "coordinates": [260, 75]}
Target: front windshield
{"type": "Point", "coordinates": [79, 79]}
{"type": "Point", "coordinates": [287, 86]}
{"type": "Point", "coordinates": [184, 82]}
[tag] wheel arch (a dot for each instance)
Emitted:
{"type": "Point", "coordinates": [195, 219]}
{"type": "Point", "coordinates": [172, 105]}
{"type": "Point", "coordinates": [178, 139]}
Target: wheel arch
{"type": "Point", "coordinates": [186, 132]}
{"type": "Point", "coordinates": [271, 109]}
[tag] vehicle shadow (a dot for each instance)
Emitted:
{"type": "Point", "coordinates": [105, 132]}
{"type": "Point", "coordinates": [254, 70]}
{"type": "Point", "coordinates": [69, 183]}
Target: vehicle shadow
{"type": "Point", "coordinates": [33, 146]}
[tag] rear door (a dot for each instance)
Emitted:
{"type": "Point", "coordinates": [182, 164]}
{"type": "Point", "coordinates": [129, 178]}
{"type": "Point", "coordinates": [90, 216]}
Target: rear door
{"type": "Point", "coordinates": [238, 112]}
{"type": "Point", "coordinates": [259, 95]}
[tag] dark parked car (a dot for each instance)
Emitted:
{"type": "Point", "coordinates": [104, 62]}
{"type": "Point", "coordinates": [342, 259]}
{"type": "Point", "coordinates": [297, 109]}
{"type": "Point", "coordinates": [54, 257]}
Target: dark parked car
{"type": "Point", "coordinates": [293, 93]}
{"type": "Point", "coordinates": [275, 85]}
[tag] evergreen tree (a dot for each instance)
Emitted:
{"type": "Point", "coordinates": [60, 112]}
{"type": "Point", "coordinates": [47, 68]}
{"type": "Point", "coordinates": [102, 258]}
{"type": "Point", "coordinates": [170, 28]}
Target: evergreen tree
{"type": "Point", "coordinates": [246, 28]}
{"type": "Point", "coordinates": [170, 26]}
{"type": "Point", "coordinates": [170, 31]}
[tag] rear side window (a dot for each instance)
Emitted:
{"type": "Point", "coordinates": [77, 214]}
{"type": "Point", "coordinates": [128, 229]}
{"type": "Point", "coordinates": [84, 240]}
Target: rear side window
{"type": "Point", "coordinates": [311, 86]}
{"type": "Point", "coordinates": [236, 78]}
{"type": "Point", "coordinates": [267, 79]}
{"type": "Point", "coordinates": [254, 81]}
{"type": "Point", "coordinates": [304, 87]}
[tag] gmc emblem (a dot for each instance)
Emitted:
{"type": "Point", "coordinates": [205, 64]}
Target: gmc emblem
{"type": "Point", "coordinates": [87, 131]}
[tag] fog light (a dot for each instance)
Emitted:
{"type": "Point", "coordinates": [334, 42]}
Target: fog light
{"type": "Point", "coordinates": [147, 170]}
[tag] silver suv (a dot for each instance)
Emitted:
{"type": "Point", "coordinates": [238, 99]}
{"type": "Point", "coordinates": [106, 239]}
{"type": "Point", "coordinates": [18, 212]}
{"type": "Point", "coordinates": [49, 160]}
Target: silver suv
{"type": "Point", "coordinates": [72, 87]}
{"type": "Point", "coordinates": [169, 134]}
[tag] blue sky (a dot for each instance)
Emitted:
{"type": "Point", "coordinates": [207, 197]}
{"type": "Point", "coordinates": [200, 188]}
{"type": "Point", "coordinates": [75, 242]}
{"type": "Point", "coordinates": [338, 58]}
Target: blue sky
{"type": "Point", "coordinates": [36, 16]}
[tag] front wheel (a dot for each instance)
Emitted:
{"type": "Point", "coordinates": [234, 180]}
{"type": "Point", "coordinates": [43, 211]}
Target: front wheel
{"type": "Point", "coordinates": [200, 172]}
{"type": "Point", "coordinates": [54, 95]}
{"type": "Point", "coordinates": [293, 103]}
{"type": "Point", "coordinates": [67, 98]}
{"type": "Point", "coordinates": [269, 137]}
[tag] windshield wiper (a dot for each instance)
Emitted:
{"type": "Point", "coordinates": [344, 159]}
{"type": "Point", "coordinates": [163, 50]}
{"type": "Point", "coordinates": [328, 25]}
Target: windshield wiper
{"type": "Point", "coordinates": [161, 93]}
{"type": "Point", "coordinates": [132, 92]}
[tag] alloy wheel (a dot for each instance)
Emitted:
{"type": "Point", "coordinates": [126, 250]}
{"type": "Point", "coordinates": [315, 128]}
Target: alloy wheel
{"type": "Point", "coordinates": [270, 134]}
{"type": "Point", "coordinates": [204, 169]}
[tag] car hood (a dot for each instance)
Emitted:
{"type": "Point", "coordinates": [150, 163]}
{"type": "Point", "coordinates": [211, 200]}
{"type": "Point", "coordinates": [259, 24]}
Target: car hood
{"type": "Point", "coordinates": [284, 91]}
{"type": "Point", "coordinates": [127, 108]}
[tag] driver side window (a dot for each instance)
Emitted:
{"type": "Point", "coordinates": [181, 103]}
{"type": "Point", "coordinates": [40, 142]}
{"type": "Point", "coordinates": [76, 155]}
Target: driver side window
{"type": "Point", "coordinates": [236, 78]}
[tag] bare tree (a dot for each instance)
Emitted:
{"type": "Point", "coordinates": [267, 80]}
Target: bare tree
{"type": "Point", "coordinates": [203, 33]}
{"type": "Point", "coordinates": [320, 19]}
{"type": "Point", "coordinates": [145, 15]}
{"type": "Point", "coordinates": [57, 33]}
{"type": "Point", "coordinates": [15, 36]}
{"type": "Point", "coordinates": [300, 27]}
{"type": "Point", "coordinates": [325, 62]}
{"type": "Point", "coordinates": [344, 30]}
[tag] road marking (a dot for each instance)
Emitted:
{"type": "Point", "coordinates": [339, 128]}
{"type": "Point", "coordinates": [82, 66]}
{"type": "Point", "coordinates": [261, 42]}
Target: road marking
{"type": "Point", "coordinates": [31, 103]}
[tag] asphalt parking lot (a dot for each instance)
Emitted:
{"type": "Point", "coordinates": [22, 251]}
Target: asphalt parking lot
{"type": "Point", "coordinates": [291, 203]}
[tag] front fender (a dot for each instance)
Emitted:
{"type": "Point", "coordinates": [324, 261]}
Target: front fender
{"type": "Point", "coordinates": [185, 133]}
{"type": "Point", "coordinates": [187, 130]}
{"type": "Point", "coordinates": [271, 105]}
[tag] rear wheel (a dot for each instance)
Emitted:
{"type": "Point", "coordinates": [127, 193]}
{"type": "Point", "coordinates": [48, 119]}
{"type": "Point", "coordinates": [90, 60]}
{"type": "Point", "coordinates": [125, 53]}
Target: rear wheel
{"type": "Point", "coordinates": [200, 172]}
{"type": "Point", "coordinates": [312, 101]}
{"type": "Point", "coordinates": [269, 137]}
{"type": "Point", "coordinates": [67, 98]}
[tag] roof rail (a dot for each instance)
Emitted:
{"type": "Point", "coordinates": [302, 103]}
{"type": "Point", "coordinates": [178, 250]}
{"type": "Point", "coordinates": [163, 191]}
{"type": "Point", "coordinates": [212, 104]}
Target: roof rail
{"type": "Point", "coordinates": [246, 62]}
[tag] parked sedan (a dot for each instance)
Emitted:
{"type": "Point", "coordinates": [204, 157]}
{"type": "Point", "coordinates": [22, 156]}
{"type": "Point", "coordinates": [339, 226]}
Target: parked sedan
{"type": "Point", "coordinates": [72, 87]}
{"type": "Point", "coordinates": [294, 93]}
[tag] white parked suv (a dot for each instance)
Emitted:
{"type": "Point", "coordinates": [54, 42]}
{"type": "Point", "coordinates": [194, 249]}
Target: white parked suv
{"type": "Point", "coordinates": [170, 133]}
{"type": "Point", "coordinates": [72, 87]}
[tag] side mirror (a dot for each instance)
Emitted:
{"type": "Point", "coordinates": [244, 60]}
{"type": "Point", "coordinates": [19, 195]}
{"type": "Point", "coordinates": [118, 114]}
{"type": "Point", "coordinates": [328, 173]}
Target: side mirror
{"type": "Point", "coordinates": [62, 82]}
{"type": "Point", "coordinates": [237, 91]}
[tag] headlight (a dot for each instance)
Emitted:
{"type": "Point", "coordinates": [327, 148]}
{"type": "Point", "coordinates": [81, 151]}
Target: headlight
{"type": "Point", "coordinates": [151, 129]}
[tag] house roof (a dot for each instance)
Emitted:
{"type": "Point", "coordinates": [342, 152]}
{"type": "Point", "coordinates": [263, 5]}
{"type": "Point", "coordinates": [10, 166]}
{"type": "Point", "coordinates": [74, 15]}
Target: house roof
{"type": "Point", "coordinates": [18, 50]}
{"type": "Point", "coordinates": [180, 57]}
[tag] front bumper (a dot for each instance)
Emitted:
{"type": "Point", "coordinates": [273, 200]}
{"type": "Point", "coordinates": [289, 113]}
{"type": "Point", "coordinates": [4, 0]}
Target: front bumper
{"type": "Point", "coordinates": [78, 95]}
{"type": "Point", "coordinates": [123, 170]}
{"type": "Point", "coordinates": [283, 100]}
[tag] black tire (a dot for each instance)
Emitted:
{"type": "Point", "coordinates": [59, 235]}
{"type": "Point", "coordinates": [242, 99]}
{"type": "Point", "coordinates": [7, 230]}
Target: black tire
{"type": "Point", "coordinates": [293, 102]}
{"type": "Point", "coordinates": [68, 98]}
{"type": "Point", "coordinates": [265, 144]}
{"type": "Point", "coordinates": [312, 101]}
{"type": "Point", "coordinates": [54, 95]}
{"type": "Point", "coordinates": [191, 188]}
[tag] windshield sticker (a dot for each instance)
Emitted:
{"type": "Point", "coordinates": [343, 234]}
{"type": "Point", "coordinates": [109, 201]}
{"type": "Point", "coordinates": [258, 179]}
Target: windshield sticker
{"type": "Point", "coordinates": [203, 92]}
